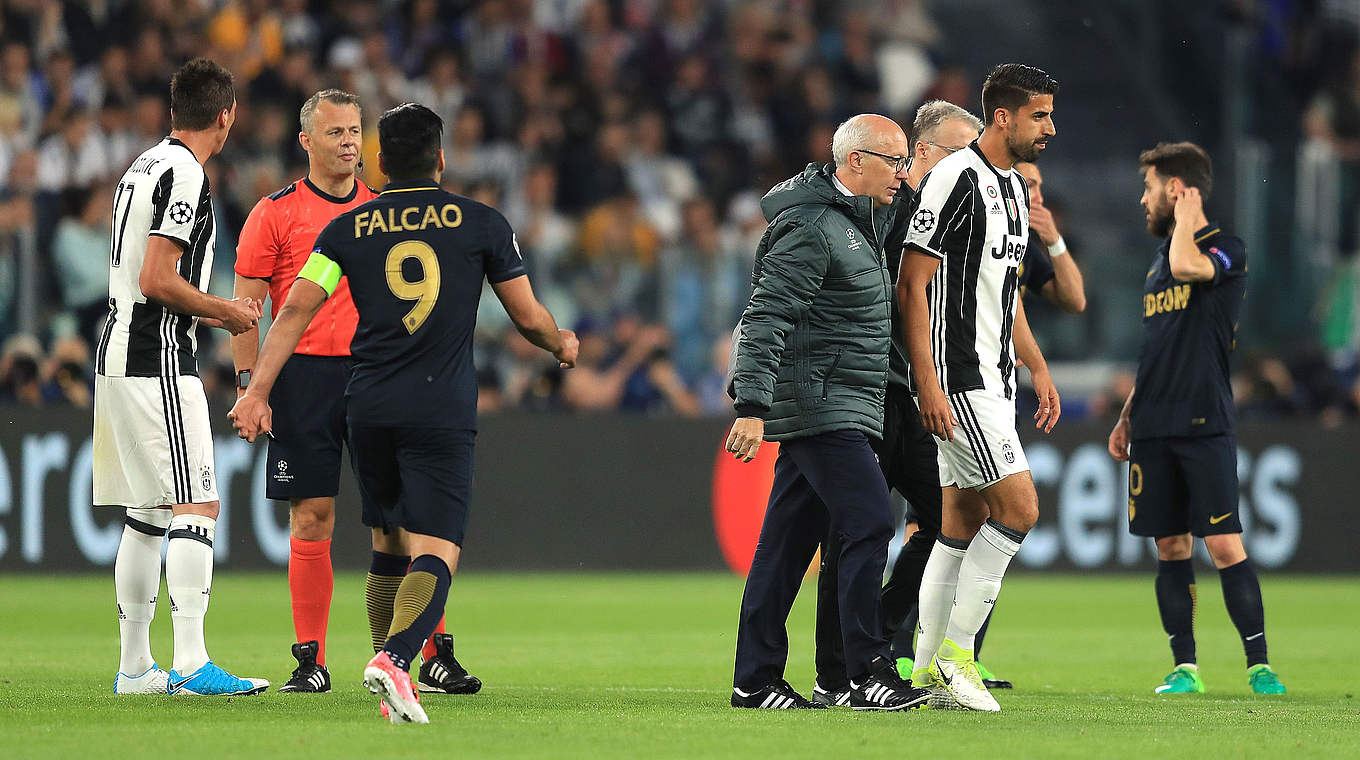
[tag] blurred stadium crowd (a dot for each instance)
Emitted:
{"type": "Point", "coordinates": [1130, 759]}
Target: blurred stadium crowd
{"type": "Point", "coordinates": [628, 142]}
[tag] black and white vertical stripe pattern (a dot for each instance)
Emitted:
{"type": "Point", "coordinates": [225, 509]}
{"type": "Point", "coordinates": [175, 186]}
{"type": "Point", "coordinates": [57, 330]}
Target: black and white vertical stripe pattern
{"type": "Point", "coordinates": [164, 193]}
{"type": "Point", "coordinates": [102, 352]}
{"type": "Point", "coordinates": [1006, 363]}
{"type": "Point", "coordinates": [973, 217]}
{"type": "Point", "coordinates": [174, 411]}
{"type": "Point", "coordinates": [973, 433]}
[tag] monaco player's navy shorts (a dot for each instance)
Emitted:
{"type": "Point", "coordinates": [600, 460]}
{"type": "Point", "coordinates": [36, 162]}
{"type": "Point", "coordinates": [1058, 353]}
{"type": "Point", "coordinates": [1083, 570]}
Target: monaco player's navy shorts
{"type": "Point", "coordinates": [419, 479]}
{"type": "Point", "coordinates": [1183, 485]}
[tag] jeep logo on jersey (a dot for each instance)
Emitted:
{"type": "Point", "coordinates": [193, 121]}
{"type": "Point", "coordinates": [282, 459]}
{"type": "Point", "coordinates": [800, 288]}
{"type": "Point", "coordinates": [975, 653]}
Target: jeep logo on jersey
{"type": "Point", "coordinates": [923, 221]}
{"type": "Point", "coordinates": [1012, 249]}
{"type": "Point", "coordinates": [180, 212]}
{"type": "Point", "coordinates": [854, 243]}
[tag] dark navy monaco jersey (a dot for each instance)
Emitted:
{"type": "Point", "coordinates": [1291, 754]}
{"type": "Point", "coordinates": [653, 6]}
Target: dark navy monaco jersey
{"type": "Point", "coordinates": [1189, 331]}
{"type": "Point", "coordinates": [416, 257]}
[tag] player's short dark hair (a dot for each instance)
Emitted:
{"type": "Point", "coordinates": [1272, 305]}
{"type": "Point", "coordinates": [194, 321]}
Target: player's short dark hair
{"type": "Point", "coordinates": [408, 137]}
{"type": "Point", "coordinates": [199, 91]}
{"type": "Point", "coordinates": [1011, 85]}
{"type": "Point", "coordinates": [1185, 160]}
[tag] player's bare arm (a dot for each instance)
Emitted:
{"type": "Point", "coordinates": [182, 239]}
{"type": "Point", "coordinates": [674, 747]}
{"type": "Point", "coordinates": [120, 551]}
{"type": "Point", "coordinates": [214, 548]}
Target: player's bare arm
{"type": "Point", "coordinates": [914, 274]}
{"type": "Point", "coordinates": [1188, 262]}
{"type": "Point", "coordinates": [534, 321]}
{"type": "Point", "coordinates": [160, 281]}
{"type": "Point", "coordinates": [251, 416]}
{"type": "Point", "coordinates": [1027, 349]}
{"type": "Point", "coordinates": [245, 347]}
{"type": "Point", "coordinates": [1120, 436]}
{"type": "Point", "coordinates": [1067, 289]}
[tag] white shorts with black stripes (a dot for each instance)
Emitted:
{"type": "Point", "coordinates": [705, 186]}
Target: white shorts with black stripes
{"type": "Point", "coordinates": [985, 448]}
{"type": "Point", "coordinates": [152, 443]}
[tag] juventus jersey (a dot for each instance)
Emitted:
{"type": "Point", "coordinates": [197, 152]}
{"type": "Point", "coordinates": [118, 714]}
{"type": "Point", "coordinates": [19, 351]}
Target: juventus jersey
{"type": "Point", "coordinates": [974, 218]}
{"type": "Point", "coordinates": [164, 193]}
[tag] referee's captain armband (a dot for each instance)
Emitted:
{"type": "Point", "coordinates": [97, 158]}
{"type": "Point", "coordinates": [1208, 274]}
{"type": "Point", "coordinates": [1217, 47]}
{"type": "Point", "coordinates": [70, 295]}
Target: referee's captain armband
{"type": "Point", "coordinates": [321, 271]}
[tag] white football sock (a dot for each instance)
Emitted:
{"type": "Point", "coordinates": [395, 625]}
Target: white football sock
{"type": "Point", "coordinates": [979, 582]}
{"type": "Point", "coordinates": [136, 580]}
{"type": "Point", "coordinates": [188, 578]}
{"type": "Point", "coordinates": [936, 599]}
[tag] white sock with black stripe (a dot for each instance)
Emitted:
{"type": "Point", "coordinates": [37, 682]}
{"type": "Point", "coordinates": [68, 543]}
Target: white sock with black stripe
{"type": "Point", "coordinates": [188, 579]}
{"type": "Point", "coordinates": [980, 580]}
{"type": "Point", "coordinates": [136, 581]}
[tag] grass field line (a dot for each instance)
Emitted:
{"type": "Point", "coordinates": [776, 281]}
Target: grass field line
{"type": "Point", "coordinates": [640, 689]}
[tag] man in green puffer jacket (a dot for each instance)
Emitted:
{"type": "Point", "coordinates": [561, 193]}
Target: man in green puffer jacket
{"type": "Point", "coordinates": [809, 368]}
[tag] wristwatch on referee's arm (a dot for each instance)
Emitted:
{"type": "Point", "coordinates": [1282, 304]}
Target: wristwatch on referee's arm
{"type": "Point", "coordinates": [242, 379]}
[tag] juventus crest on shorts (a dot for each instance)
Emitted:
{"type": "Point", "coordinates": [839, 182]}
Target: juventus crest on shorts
{"type": "Point", "coordinates": [974, 218]}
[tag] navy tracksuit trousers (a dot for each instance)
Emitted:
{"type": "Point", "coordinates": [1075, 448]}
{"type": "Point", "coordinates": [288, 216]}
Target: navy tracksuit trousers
{"type": "Point", "coordinates": [829, 481]}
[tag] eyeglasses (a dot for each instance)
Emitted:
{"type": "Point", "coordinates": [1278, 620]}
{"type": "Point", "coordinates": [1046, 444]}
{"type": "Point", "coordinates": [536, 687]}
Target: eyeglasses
{"type": "Point", "coordinates": [897, 162]}
{"type": "Point", "coordinates": [946, 148]}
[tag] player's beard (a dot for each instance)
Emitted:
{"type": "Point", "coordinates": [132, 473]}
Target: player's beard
{"type": "Point", "coordinates": [1160, 222]}
{"type": "Point", "coordinates": [1024, 150]}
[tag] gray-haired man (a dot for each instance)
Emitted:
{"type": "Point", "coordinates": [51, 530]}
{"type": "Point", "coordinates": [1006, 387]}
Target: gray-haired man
{"type": "Point", "coordinates": [811, 359]}
{"type": "Point", "coordinates": [906, 454]}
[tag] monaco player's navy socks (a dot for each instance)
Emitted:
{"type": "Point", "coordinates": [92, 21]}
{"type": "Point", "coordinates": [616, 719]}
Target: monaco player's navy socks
{"type": "Point", "coordinates": [1242, 595]}
{"type": "Point", "coordinates": [1177, 600]}
{"type": "Point", "coordinates": [418, 607]}
{"type": "Point", "coordinates": [385, 574]}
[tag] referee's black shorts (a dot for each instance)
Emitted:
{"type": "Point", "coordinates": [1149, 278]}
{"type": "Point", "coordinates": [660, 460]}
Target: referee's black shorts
{"type": "Point", "coordinates": [308, 403]}
{"type": "Point", "coordinates": [419, 479]}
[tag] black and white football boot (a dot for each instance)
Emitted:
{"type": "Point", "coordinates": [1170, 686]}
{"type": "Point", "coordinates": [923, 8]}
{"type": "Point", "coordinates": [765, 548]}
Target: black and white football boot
{"type": "Point", "coordinates": [443, 674]}
{"type": "Point", "coordinates": [777, 696]}
{"type": "Point", "coordinates": [885, 689]}
{"type": "Point", "coordinates": [308, 677]}
{"type": "Point", "coordinates": [831, 697]}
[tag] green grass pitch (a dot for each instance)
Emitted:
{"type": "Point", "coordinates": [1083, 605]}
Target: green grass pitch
{"type": "Point", "coordinates": [598, 666]}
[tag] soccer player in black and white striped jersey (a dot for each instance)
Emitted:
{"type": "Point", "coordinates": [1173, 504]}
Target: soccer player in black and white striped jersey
{"type": "Point", "coordinates": [964, 328]}
{"type": "Point", "coordinates": [153, 452]}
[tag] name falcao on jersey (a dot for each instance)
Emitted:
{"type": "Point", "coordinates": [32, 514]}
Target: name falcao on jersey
{"type": "Point", "coordinates": [409, 219]}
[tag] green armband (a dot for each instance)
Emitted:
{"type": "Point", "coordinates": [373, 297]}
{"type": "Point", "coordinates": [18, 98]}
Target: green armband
{"type": "Point", "coordinates": [321, 271]}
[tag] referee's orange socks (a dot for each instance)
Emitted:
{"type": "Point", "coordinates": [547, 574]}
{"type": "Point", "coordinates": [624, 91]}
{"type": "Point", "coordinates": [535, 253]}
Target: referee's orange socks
{"type": "Point", "coordinates": [428, 652]}
{"type": "Point", "coordinates": [311, 580]}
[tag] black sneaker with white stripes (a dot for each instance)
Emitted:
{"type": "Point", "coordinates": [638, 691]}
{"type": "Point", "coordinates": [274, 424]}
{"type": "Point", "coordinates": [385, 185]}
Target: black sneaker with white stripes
{"type": "Point", "coordinates": [443, 674]}
{"type": "Point", "coordinates": [777, 696]}
{"type": "Point", "coordinates": [308, 677]}
{"type": "Point", "coordinates": [885, 689]}
{"type": "Point", "coordinates": [831, 697]}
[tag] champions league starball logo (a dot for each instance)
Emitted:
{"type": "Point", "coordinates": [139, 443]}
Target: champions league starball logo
{"type": "Point", "coordinates": [180, 212]}
{"type": "Point", "coordinates": [924, 220]}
